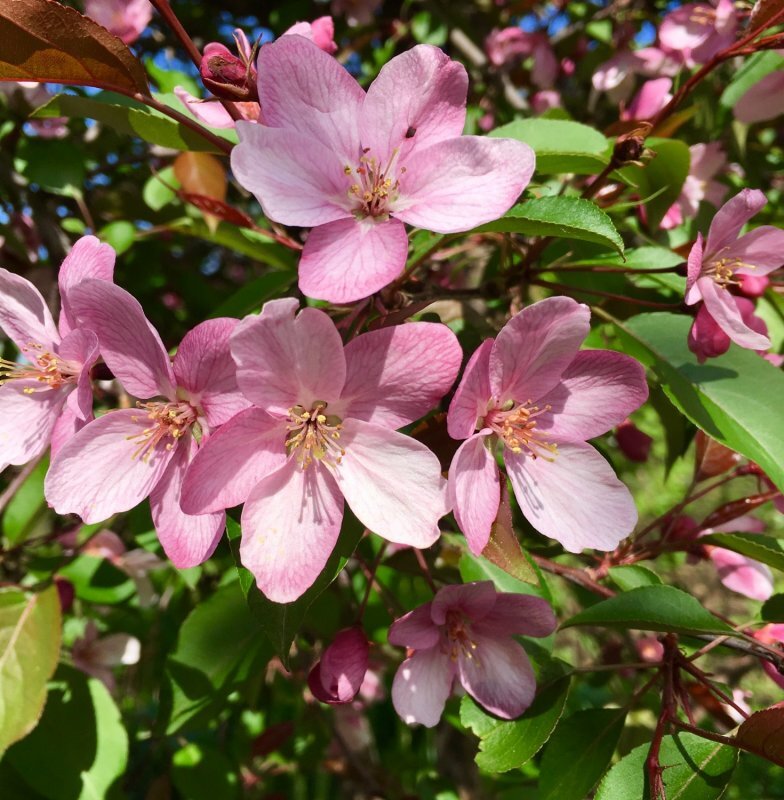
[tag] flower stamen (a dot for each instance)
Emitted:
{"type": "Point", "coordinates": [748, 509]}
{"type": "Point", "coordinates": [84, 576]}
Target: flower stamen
{"type": "Point", "coordinates": [49, 370]}
{"type": "Point", "coordinates": [314, 435]}
{"type": "Point", "coordinates": [376, 187]}
{"type": "Point", "coordinates": [515, 426]}
{"type": "Point", "coordinates": [169, 421]}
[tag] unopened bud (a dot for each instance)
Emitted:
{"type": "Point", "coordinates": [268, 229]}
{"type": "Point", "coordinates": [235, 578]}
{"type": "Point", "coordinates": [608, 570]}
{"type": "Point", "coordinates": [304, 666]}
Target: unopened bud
{"type": "Point", "coordinates": [338, 676]}
{"type": "Point", "coordinates": [228, 76]}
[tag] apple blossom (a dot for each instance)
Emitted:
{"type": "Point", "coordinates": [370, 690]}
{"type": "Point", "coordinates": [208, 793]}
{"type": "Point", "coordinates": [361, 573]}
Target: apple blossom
{"type": "Point", "coordinates": [97, 655]}
{"type": "Point", "coordinates": [465, 633]}
{"type": "Point", "coordinates": [772, 635]}
{"type": "Point", "coordinates": [699, 30]}
{"type": "Point", "coordinates": [126, 19]}
{"type": "Point", "coordinates": [706, 161]}
{"type": "Point", "coordinates": [763, 101]}
{"type": "Point", "coordinates": [651, 99]}
{"type": "Point", "coordinates": [708, 340]}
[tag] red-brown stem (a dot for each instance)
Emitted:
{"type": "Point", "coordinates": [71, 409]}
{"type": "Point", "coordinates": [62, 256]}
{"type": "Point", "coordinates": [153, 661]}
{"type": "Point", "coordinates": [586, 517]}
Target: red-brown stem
{"type": "Point", "coordinates": [425, 569]}
{"type": "Point", "coordinates": [609, 295]}
{"type": "Point", "coordinates": [607, 268]}
{"type": "Point", "coordinates": [371, 579]}
{"type": "Point", "coordinates": [578, 576]}
{"type": "Point", "coordinates": [702, 677]}
{"type": "Point", "coordinates": [666, 715]}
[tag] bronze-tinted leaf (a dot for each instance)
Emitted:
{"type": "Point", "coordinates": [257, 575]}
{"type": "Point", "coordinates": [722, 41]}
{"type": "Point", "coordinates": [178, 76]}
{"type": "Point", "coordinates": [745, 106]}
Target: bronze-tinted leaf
{"type": "Point", "coordinates": [763, 733]}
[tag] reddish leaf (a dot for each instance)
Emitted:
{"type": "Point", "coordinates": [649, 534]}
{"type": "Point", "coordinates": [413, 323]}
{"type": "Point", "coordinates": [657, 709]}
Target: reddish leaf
{"type": "Point", "coordinates": [763, 12]}
{"type": "Point", "coordinates": [203, 174]}
{"type": "Point", "coordinates": [712, 458]}
{"type": "Point", "coordinates": [504, 548]}
{"type": "Point", "coordinates": [219, 209]}
{"type": "Point", "coordinates": [763, 733]}
{"type": "Point", "coordinates": [41, 40]}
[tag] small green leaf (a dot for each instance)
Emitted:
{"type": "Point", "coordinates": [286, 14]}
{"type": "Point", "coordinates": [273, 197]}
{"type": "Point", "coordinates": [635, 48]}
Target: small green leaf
{"type": "Point", "coordinates": [757, 546]}
{"type": "Point", "coordinates": [157, 192]}
{"type": "Point", "coordinates": [26, 506]}
{"type": "Point", "coordinates": [751, 72]}
{"type": "Point", "coordinates": [56, 165]}
{"type": "Point", "coordinates": [119, 234]}
{"type": "Point", "coordinates": [97, 580]}
{"type": "Point", "coordinates": [652, 608]}
{"type": "Point", "coordinates": [250, 297]}
{"type": "Point", "coordinates": [633, 576]}
{"type": "Point", "coordinates": [773, 609]}
{"type": "Point", "coordinates": [478, 568]}
{"type": "Point", "coordinates": [204, 773]}
{"type": "Point", "coordinates": [565, 217]}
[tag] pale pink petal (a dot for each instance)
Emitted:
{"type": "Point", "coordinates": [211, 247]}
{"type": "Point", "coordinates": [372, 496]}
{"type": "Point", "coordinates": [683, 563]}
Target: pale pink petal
{"type": "Point", "coordinates": [297, 180]}
{"type": "Point", "coordinates": [651, 99]}
{"type": "Point", "coordinates": [686, 27]}
{"type": "Point", "coordinates": [303, 89]}
{"type": "Point", "coordinates": [24, 316]}
{"type": "Point", "coordinates": [392, 483]}
{"type": "Point", "coordinates": [287, 359]}
{"type": "Point", "coordinates": [475, 490]}
{"type": "Point", "coordinates": [81, 347]}
{"type": "Point", "coordinates": [742, 574]}
{"type": "Point", "coordinates": [473, 600]}
{"type": "Point", "coordinates": [498, 675]}
{"type": "Point", "coordinates": [761, 249]}
{"type": "Point", "coordinates": [211, 111]}
{"type": "Point", "coordinates": [457, 184]}
{"type": "Point", "coordinates": [233, 460]}
{"type": "Point", "coordinates": [96, 473]}
{"type": "Point", "coordinates": [130, 346]}
{"type": "Point", "coordinates": [763, 101]}
{"type": "Point", "coordinates": [707, 160]}
{"type": "Point", "coordinates": [67, 425]}
{"type": "Point", "coordinates": [722, 307]}
{"type": "Point", "coordinates": [27, 420]}
{"type": "Point", "coordinates": [730, 218]}
{"type": "Point", "coordinates": [290, 524]}
{"type": "Point", "coordinates": [693, 271]}
{"type": "Point", "coordinates": [575, 499]}
{"type": "Point", "coordinates": [422, 686]}
{"type": "Point", "coordinates": [598, 390]}
{"type": "Point", "coordinates": [203, 365]}
{"type": "Point", "coordinates": [535, 347]}
{"type": "Point", "coordinates": [518, 615]}
{"type": "Point", "coordinates": [472, 395]}
{"type": "Point", "coordinates": [321, 32]}
{"type": "Point", "coordinates": [415, 629]}
{"type": "Point", "coordinates": [396, 375]}
{"type": "Point", "coordinates": [350, 259]}
{"type": "Point", "coordinates": [615, 71]}
{"type": "Point", "coordinates": [126, 19]}
{"type": "Point", "coordinates": [187, 540]}
{"type": "Point", "coordinates": [545, 66]}
{"type": "Point", "coordinates": [88, 258]}
{"type": "Point", "coordinates": [421, 90]}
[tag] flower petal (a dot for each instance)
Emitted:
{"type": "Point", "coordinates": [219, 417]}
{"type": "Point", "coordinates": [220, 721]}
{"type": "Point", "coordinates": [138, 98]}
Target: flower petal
{"type": "Point", "coordinates": [24, 315]}
{"type": "Point", "coordinates": [763, 101]}
{"type": "Point", "coordinates": [286, 359]}
{"type": "Point", "coordinates": [457, 184]}
{"type": "Point", "coordinates": [396, 375]}
{"type": "Point", "coordinates": [210, 111]}
{"type": "Point", "coordinates": [475, 490]}
{"type": "Point", "coordinates": [598, 390]}
{"type": "Point", "coordinates": [344, 664]}
{"type": "Point", "coordinates": [422, 686]}
{"type": "Point", "coordinates": [742, 574]}
{"type": "Point", "coordinates": [129, 344]}
{"type": "Point", "coordinates": [350, 259]}
{"type": "Point", "coordinates": [81, 347]}
{"type": "Point", "coordinates": [415, 629]}
{"type": "Point", "coordinates": [233, 460]}
{"type": "Point", "coordinates": [722, 307]}
{"type": "Point", "coordinates": [297, 180]}
{"type": "Point", "coordinates": [762, 249]}
{"type": "Point", "coordinates": [472, 395]}
{"type": "Point", "coordinates": [694, 270]}
{"type": "Point", "coordinates": [95, 474]}
{"type": "Point", "coordinates": [27, 420]}
{"type": "Point", "coordinates": [535, 347]}
{"type": "Point", "coordinates": [290, 524]}
{"type": "Point", "coordinates": [518, 615]}
{"type": "Point", "coordinates": [421, 90]}
{"type": "Point", "coordinates": [731, 217]}
{"type": "Point", "coordinates": [474, 600]}
{"type": "Point", "coordinates": [575, 499]}
{"type": "Point", "coordinates": [66, 426]}
{"type": "Point", "coordinates": [392, 483]}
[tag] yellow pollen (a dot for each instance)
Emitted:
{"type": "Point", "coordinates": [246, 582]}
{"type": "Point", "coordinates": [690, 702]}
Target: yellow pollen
{"type": "Point", "coordinates": [515, 425]}
{"type": "Point", "coordinates": [377, 187]}
{"type": "Point", "coordinates": [722, 270]}
{"type": "Point", "coordinates": [48, 370]}
{"type": "Point", "coordinates": [313, 436]}
{"type": "Point", "coordinates": [169, 423]}
{"type": "Point", "coordinates": [458, 634]}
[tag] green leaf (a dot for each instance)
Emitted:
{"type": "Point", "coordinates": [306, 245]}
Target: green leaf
{"type": "Point", "coordinates": [156, 192]}
{"type": "Point", "coordinates": [505, 744]}
{"type": "Point", "coordinates": [83, 738]}
{"type": "Point", "coordinates": [560, 145]}
{"type": "Point", "coordinates": [565, 217]}
{"type": "Point", "coordinates": [281, 621]}
{"type": "Point", "coordinates": [734, 398]}
{"type": "Point", "coordinates": [773, 609]}
{"type": "Point", "coordinates": [754, 545]}
{"type": "Point", "coordinates": [129, 118]}
{"type": "Point", "coordinates": [633, 576]}
{"type": "Point", "coordinates": [652, 608]}
{"type": "Point", "coordinates": [26, 505]}
{"type": "Point", "coordinates": [204, 773]}
{"type": "Point", "coordinates": [579, 752]}
{"type": "Point", "coordinates": [56, 165]}
{"type": "Point", "coordinates": [29, 649]}
{"type": "Point", "coordinates": [425, 31]}
{"type": "Point", "coordinates": [752, 71]}
{"type": "Point", "coordinates": [119, 234]}
{"type": "Point", "coordinates": [251, 296]}
{"type": "Point", "coordinates": [478, 568]}
{"type": "Point", "coordinates": [646, 257]}
{"type": "Point", "coordinates": [97, 580]}
{"type": "Point", "coordinates": [696, 769]}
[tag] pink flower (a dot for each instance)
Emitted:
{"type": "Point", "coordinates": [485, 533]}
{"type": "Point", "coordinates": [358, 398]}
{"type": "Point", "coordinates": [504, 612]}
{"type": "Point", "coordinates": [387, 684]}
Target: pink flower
{"type": "Point", "coordinates": [707, 160]}
{"type": "Point", "coordinates": [98, 655]}
{"type": "Point", "coordinates": [510, 44]}
{"type": "Point", "coordinates": [616, 75]}
{"type": "Point", "coordinates": [545, 100]}
{"type": "Point", "coordinates": [651, 99]}
{"type": "Point", "coordinates": [113, 463]}
{"type": "Point", "coordinates": [321, 32]}
{"type": "Point", "coordinates": [124, 18]}
{"type": "Point", "coordinates": [338, 677]}
{"type": "Point", "coordinates": [532, 392]}
{"type": "Point", "coordinates": [47, 397]}
{"type": "Point", "coordinates": [356, 166]}
{"type": "Point", "coordinates": [708, 340]}
{"type": "Point", "coordinates": [323, 429]}
{"type": "Point", "coordinates": [713, 265]}
{"type": "Point", "coordinates": [466, 632]}
{"type": "Point", "coordinates": [772, 635]}
{"type": "Point", "coordinates": [763, 101]}
{"type": "Point", "coordinates": [698, 30]}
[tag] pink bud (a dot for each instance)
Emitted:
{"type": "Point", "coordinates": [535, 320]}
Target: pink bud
{"type": "Point", "coordinates": [772, 635]}
{"type": "Point", "coordinates": [706, 339]}
{"type": "Point", "coordinates": [226, 75]}
{"type": "Point", "coordinates": [338, 676]}
{"type": "Point", "coordinates": [634, 444]}
{"type": "Point", "coordinates": [754, 285]}
{"type": "Point", "coordinates": [66, 593]}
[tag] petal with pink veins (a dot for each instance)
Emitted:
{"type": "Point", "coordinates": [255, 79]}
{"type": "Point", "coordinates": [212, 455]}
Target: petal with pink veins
{"type": "Point", "coordinates": [693, 271]}
{"type": "Point", "coordinates": [211, 111]}
{"type": "Point", "coordinates": [457, 184]}
{"type": "Point", "coordinates": [96, 473]}
{"type": "Point", "coordinates": [288, 359]}
{"type": "Point", "coordinates": [742, 574]}
{"type": "Point", "coordinates": [27, 420]}
{"type": "Point", "coordinates": [415, 629]}
{"type": "Point", "coordinates": [475, 490]}
{"type": "Point", "coordinates": [81, 347]}
{"type": "Point", "coordinates": [233, 460]}
{"type": "Point", "coordinates": [290, 524]}
{"type": "Point", "coordinates": [350, 259]}
{"type": "Point", "coordinates": [731, 217]}
{"type": "Point", "coordinates": [575, 499]}
{"type": "Point", "coordinates": [24, 316]}
{"type": "Point", "coordinates": [473, 600]}
{"type": "Point", "coordinates": [472, 395]}
{"type": "Point", "coordinates": [66, 426]}
{"type": "Point", "coordinates": [392, 483]}
{"type": "Point", "coordinates": [761, 249]}
{"type": "Point", "coordinates": [722, 307]}
{"type": "Point", "coordinates": [535, 347]}
{"type": "Point", "coordinates": [518, 615]}
{"type": "Point", "coordinates": [398, 374]}
{"type": "Point", "coordinates": [422, 686]}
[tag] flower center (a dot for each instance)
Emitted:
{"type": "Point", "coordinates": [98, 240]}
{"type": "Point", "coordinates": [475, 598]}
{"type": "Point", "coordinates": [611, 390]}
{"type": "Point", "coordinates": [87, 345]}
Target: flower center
{"type": "Point", "coordinates": [722, 270]}
{"type": "Point", "coordinates": [515, 424]}
{"type": "Point", "coordinates": [376, 187]}
{"type": "Point", "coordinates": [169, 422]}
{"type": "Point", "coordinates": [50, 371]}
{"type": "Point", "coordinates": [314, 435]}
{"type": "Point", "coordinates": [703, 15]}
{"type": "Point", "coordinates": [458, 634]}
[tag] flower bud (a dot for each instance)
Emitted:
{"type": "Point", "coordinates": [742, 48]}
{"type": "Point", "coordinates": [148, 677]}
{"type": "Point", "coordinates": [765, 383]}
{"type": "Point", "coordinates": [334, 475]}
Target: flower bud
{"type": "Point", "coordinates": [633, 443]}
{"type": "Point", "coordinates": [712, 458]}
{"type": "Point", "coordinates": [228, 76]}
{"type": "Point", "coordinates": [338, 676]}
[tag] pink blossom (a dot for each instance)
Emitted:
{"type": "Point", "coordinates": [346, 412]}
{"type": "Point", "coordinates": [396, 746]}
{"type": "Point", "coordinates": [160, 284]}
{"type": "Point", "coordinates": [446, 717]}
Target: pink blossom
{"type": "Point", "coordinates": [534, 394]}
{"type": "Point", "coordinates": [113, 463]}
{"type": "Point", "coordinates": [754, 285]}
{"type": "Point", "coordinates": [36, 95]}
{"type": "Point", "coordinates": [633, 443]}
{"type": "Point", "coordinates": [510, 44]}
{"type": "Point", "coordinates": [321, 32]}
{"type": "Point", "coordinates": [124, 18]}
{"type": "Point", "coordinates": [707, 160]}
{"type": "Point", "coordinates": [650, 100]}
{"type": "Point", "coordinates": [708, 340]}
{"type": "Point", "coordinates": [714, 264]}
{"type": "Point", "coordinates": [356, 166]}
{"type": "Point", "coordinates": [545, 100]}
{"type": "Point", "coordinates": [699, 30]}
{"type": "Point", "coordinates": [763, 101]}
{"type": "Point", "coordinates": [772, 635]}
{"type": "Point", "coordinates": [323, 429]}
{"type": "Point", "coordinates": [47, 397]}
{"type": "Point", "coordinates": [339, 675]}
{"type": "Point", "coordinates": [97, 656]}
{"type": "Point", "coordinates": [465, 633]}
{"type": "Point", "coordinates": [356, 12]}
{"type": "Point", "coordinates": [616, 75]}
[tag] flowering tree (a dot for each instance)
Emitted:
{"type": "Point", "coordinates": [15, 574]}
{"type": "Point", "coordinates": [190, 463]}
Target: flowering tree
{"type": "Point", "coordinates": [412, 421]}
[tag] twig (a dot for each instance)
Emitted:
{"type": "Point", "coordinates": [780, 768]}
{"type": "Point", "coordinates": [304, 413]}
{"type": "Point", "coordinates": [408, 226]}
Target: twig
{"type": "Point", "coordinates": [578, 576]}
{"type": "Point", "coordinates": [609, 295]}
